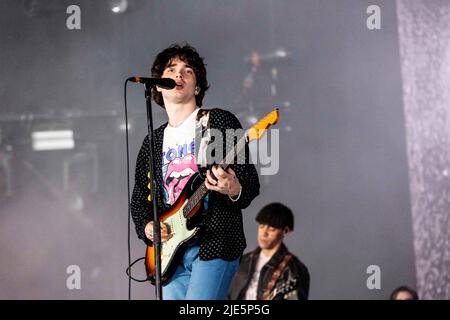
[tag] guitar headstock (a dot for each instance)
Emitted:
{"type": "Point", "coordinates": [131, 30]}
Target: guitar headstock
{"type": "Point", "coordinates": [257, 131]}
{"type": "Point", "coordinates": [286, 288]}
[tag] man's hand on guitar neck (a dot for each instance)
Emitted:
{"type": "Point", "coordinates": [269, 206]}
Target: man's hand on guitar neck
{"type": "Point", "coordinates": [165, 235]}
{"type": "Point", "coordinates": [223, 181]}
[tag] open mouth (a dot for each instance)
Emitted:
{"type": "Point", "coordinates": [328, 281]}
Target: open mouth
{"type": "Point", "coordinates": [177, 176]}
{"type": "Point", "coordinates": [175, 183]}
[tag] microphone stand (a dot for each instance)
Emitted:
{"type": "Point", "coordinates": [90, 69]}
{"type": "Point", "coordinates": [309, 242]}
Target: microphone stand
{"type": "Point", "coordinates": [156, 223]}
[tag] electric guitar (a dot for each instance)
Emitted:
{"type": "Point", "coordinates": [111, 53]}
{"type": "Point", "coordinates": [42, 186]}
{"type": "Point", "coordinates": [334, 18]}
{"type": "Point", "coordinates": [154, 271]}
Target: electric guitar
{"type": "Point", "coordinates": [187, 207]}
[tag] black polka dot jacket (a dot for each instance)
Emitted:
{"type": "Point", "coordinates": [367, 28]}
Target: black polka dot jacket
{"type": "Point", "coordinates": [222, 233]}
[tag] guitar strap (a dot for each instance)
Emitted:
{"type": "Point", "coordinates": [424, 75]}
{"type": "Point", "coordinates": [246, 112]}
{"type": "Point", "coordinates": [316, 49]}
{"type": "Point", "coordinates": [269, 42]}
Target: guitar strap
{"type": "Point", "coordinates": [275, 276]}
{"type": "Point", "coordinates": [202, 137]}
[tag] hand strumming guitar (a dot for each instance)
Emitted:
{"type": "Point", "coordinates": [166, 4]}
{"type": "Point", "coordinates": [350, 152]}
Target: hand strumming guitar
{"type": "Point", "coordinates": [223, 181]}
{"type": "Point", "coordinates": [164, 231]}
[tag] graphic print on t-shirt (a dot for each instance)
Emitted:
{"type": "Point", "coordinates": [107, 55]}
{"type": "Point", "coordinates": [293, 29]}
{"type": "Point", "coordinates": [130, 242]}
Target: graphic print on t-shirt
{"type": "Point", "coordinates": [179, 165]}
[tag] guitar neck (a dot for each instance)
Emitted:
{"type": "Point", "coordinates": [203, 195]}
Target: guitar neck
{"type": "Point", "coordinates": [198, 195]}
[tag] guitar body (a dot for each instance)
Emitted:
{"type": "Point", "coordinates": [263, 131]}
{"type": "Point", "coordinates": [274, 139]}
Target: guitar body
{"type": "Point", "coordinates": [181, 230]}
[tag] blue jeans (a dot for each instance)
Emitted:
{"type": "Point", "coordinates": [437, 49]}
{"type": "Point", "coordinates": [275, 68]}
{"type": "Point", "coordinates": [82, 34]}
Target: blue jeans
{"type": "Point", "coordinates": [195, 279]}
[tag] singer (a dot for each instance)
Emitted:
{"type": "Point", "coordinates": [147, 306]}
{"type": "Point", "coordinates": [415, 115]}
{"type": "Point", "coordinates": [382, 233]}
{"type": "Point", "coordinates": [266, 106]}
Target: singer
{"type": "Point", "coordinates": [207, 264]}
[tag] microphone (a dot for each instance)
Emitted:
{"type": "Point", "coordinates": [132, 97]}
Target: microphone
{"type": "Point", "coordinates": [165, 83]}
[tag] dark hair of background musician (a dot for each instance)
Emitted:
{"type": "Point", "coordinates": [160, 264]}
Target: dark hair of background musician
{"type": "Point", "coordinates": [276, 215]}
{"type": "Point", "coordinates": [412, 293]}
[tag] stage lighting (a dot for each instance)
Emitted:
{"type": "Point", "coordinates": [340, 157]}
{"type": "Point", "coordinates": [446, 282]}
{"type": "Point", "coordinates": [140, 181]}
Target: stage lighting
{"type": "Point", "coordinates": [118, 6]}
{"type": "Point", "coordinates": [251, 119]}
{"type": "Point", "coordinates": [34, 8]}
{"type": "Point", "coordinates": [256, 57]}
{"type": "Point", "coordinates": [52, 140]}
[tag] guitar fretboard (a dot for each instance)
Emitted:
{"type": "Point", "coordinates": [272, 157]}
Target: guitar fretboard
{"type": "Point", "coordinates": [198, 195]}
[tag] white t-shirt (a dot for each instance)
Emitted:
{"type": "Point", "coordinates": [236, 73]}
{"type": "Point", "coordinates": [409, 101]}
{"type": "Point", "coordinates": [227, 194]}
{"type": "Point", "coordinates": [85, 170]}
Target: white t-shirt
{"type": "Point", "coordinates": [178, 163]}
{"type": "Point", "coordinates": [251, 293]}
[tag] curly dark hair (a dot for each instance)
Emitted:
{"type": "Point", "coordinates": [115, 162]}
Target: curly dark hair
{"type": "Point", "coordinates": [190, 56]}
